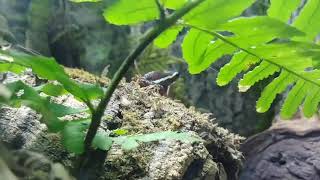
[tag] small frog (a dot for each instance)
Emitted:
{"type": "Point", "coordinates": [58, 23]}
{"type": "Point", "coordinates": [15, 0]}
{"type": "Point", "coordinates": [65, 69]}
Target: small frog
{"type": "Point", "coordinates": [163, 79]}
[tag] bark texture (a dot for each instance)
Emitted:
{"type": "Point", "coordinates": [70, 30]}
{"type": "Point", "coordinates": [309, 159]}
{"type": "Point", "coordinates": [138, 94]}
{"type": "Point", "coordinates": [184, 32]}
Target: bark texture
{"type": "Point", "coordinates": [288, 150]}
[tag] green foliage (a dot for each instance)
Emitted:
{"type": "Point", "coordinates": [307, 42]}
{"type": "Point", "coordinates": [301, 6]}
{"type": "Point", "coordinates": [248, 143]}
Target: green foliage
{"type": "Point", "coordinates": [283, 9]}
{"type": "Point", "coordinates": [52, 89]}
{"type": "Point", "coordinates": [168, 37]}
{"type": "Point", "coordinates": [261, 45]}
{"type": "Point", "coordinates": [124, 12]}
{"type": "Point", "coordinates": [308, 20]}
{"type": "Point", "coordinates": [132, 142]}
{"type": "Point", "coordinates": [81, 1]}
{"type": "Point", "coordinates": [74, 132]}
{"type": "Point", "coordinates": [48, 68]}
{"type": "Point", "coordinates": [25, 95]}
{"type": "Point", "coordinates": [209, 14]}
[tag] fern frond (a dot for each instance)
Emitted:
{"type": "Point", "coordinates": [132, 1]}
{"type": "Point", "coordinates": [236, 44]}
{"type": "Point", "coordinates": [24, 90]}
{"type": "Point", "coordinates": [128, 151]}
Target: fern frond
{"type": "Point", "coordinates": [277, 86]}
{"type": "Point", "coordinates": [261, 72]}
{"type": "Point", "coordinates": [312, 101]}
{"type": "Point", "coordinates": [291, 58]}
{"type": "Point", "coordinates": [308, 20]}
{"type": "Point", "coordinates": [241, 61]}
{"type": "Point", "coordinates": [294, 98]}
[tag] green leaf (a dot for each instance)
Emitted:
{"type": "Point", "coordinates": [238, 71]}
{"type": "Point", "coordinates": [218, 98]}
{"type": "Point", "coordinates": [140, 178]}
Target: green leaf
{"type": "Point", "coordinates": [73, 135]}
{"type": "Point", "coordinates": [240, 62]}
{"type": "Point", "coordinates": [308, 20]}
{"type": "Point", "coordinates": [125, 12]}
{"type": "Point", "coordinates": [25, 95]}
{"type": "Point", "coordinates": [211, 13]}
{"type": "Point", "coordinates": [311, 102]}
{"type": "Point", "coordinates": [257, 30]}
{"type": "Point", "coordinates": [48, 68]}
{"type": "Point", "coordinates": [277, 86]}
{"type": "Point", "coordinates": [5, 67]}
{"type": "Point", "coordinates": [52, 89]}
{"type": "Point", "coordinates": [60, 110]}
{"type": "Point", "coordinates": [167, 37]}
{"type": "Point", "coordinates": [120, 132]}
{"type": "Point", "coordinates": [131, 142]}
{"type": "Point", "coordinates": [173, 4]}
{"type": "Point", "coordinates": [200, 51]}
{"type": "Point", "coordinates": [283, 9]}
{"type": "Point", "coordinates": [294, 99]}
{"type": "Point", "coordinates": [102, 141]}
{"type": "Point", "coordinates": [261, 72]}
{"type": "Point", "coordinates": [92, 91]}
{"type": "Point", "coordinates": [81, 1]}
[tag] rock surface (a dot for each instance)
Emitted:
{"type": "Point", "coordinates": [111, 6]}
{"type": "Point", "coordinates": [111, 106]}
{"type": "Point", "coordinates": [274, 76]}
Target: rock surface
{"type": "Point", "coordinates": [288, 150]}
{"type": "Point", "coordinates": [138, 110]}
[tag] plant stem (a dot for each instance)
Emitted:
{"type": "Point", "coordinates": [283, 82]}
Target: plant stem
{"type": "Point", "coordinates": [149, 37]}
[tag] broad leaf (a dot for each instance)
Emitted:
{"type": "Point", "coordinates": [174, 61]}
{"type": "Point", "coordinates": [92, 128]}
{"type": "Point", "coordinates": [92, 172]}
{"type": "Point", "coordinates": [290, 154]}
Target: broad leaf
{"type": "Point", "coordinates": [173, 4]}
{"type": "Point", "coordinates": [25, 95]}
{"type": "Point", "coordinates": [102, 140]}
{"type": "Point", "coordinates": [200, 51]}
{"type": "Point", "coordinates": [124, 12]}
{"type": "Point", "coordinates": [52, 89]}
{"type": "Point", "coordinates": [48, 68]}
{"type": "Point", "coordinates": [211, 13]}
{"type": "Point", "coordinates": [167, 37]}
{"type": "Point", "coordinates": [73, 135]}
{"type": "Point", "coordinates": [283, 9]}
{"type": "Point", "coordinates": [5, 67]}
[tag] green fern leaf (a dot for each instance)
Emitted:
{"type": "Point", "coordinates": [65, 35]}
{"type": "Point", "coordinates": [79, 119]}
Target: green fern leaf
{"type": "Point", "coordinates": [308, 20]}
{"type": "Point", "coordinates": [312, 101]}
{"type": "Point", "coordinates": [283, 9]}
{"type": "Point", "coordinates": [200, 51]}
{"type": "Point", "coordinates": [241, 61]}
{"type": "Point", "coordinates": [277, 86]}
{"type": "Point", "coordinates": [257, 30]}
{"type": "Point", "coordinates": [294, 99]}
{"type": "Point", "coordinates": [261, 72]}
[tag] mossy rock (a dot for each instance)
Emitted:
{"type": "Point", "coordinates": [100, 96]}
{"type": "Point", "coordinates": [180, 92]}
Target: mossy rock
{"type": "Point", "coordinates": [138, 110]}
